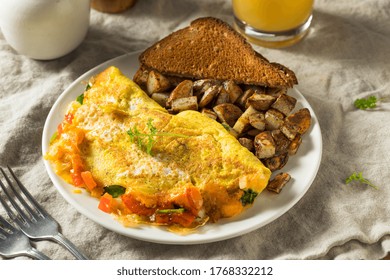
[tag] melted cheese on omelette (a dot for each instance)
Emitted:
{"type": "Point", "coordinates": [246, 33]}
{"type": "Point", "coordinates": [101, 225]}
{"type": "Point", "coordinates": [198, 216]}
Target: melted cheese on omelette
{"type": "Point", "coordinates": [195, 166]}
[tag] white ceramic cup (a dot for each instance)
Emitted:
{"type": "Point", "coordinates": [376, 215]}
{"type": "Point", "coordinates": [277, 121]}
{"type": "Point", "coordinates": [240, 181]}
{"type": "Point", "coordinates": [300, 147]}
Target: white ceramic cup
{"type": "Point", "coordinates": [44, 29]}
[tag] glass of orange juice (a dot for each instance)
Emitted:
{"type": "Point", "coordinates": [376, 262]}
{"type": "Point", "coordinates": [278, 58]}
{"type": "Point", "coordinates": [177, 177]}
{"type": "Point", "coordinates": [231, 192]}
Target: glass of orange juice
{"type": "Point", "coordinates": [273, 23]}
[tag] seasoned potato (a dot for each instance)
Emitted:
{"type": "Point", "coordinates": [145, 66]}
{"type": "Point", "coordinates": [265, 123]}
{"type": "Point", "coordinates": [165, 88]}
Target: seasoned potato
{"type": "Point", "coordinates": [277, 184]}
{"type": "Point", "coordinates": [242, 124]}
{"type": "Point", "coordinates": [273, 119]}
{"type": "Point", "coordinates": [301, 120]}
{"type": "Point", "coordinates": [161, 98]}
{"type": "Point", "coordinates": [294, 145]}
{"type": "Point", "coordinates": [260, 102]}
{"type": "Point", "coordinates": [297, 123]}
{"type": "Point", "coordinates": [228, 113]}
{"type": "Point", "coordinates": [241, 101]}
{"type": "Point", "coordinates": [185, 103]}
{"type": "Point", "coordinates": [264, 145]}
{"type": "Point", "coordinates": [257, 120]}
{"type": "Point", "coordinates": [223, 97]}
{"type": "Point", "coordinates": [233, 90]}
{"type": "Point", "coordinates": [209, 96]}
{"type": "Point", "coordinates": [282, 143]}
{"type": "Point", "coordinates": [209, 113]}
{"type": "Point", "coordinates": [276, 162]}
{"type": "Point", "coordinates": [285, 104]}
{"type": "Point", "coordinates": [184, 89]}
{"type": "Point", "coordinates": [157, 83]}
{"type": "Point", "coordinates": [247, 143]}
{"type": "Point", "coordinates": [141, 78]}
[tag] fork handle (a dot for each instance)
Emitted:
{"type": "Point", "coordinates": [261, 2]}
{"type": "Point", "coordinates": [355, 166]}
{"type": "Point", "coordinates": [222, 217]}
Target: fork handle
{"type": "Point", "coordinates": [61, 239]}
{"type": "Point", "coordinates": [34, 253]}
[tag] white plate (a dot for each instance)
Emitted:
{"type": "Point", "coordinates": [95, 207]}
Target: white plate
{"type": "Point", "coordinates": [302, 167]}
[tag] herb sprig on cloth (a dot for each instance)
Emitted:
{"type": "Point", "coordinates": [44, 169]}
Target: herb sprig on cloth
{"type": "Point", "coordinates": [358, 177]}
{"type": "Point", "coordinates": [367, 103]}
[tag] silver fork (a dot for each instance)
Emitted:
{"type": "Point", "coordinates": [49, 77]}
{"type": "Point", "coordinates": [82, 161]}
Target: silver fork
{"type": "Point", "coordinates": [14, 243]}
{"type": "Point", "coordinates": [34, 221]}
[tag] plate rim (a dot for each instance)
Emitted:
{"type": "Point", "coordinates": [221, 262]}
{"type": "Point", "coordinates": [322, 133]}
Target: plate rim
{"type": "Point", "coordinates": [174, 238]}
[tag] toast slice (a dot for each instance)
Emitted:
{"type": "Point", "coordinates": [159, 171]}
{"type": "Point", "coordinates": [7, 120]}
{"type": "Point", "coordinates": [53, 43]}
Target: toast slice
{"type": "Point", "coordinates": [210, 48]}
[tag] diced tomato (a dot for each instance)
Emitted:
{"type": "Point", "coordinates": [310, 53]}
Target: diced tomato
{"type": "Point", "coordinates": [164, 219]}
{"type": "Point", "coordinates": [184, 219]}
{"type": "Point", "coordinates": [195, 198]}
{"type": "Point", "coordinates": [137, 207]}
{"type": "Point", "coordinates": [107, 203]}
{"type": "Point", "coordinates": [191, 200]}
{"type": "Point", "coordinates": [77, 163]}
{"type": "Point", "coordinates": [59, 129]}
{"type": "Point", "coordinates": [77, 179]}
{"type": "Point", "coordinates": [88, 180]}
{"type": "Point", "coordinates": [69, 118]}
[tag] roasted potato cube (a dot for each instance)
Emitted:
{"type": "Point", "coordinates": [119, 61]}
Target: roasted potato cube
{"type": "Point", "coordinates": [276, 184]}
{"type": "Point", "coordinates": [157, 83]}
{"type": "Point", "coordinates": [141, 78]}
{"type": "Point", "coordinates": [242, 124]}
{"type": "Point", "coordinates": [273, 119]}
{"type": "Point", "coordinates": [223, 97]}
{"type": "Point", "coordinates": [200, 86]}
{"type": "Point", "coordinates": [233, 89]}
{"type": "Point", "coordinates": [261, 102]}
{"type": "Point", "coordinates": [184, 89]}
{"type": "Point", "coordinates": [209, 113]}
{"type": "Point", "coordinates": [297, 123]}
{"type": "Point", "coordinates": [209, 95]}
{"type": "Point", "coordinates": [161, 98]}
{"type": "Point", "coordinates": [253, 132]}
{"type": "Point", "coordinates": [257, 120]}
{"type": "Point", "coordinates": [264, 145]}
{"type": "Point", "coordinates": [276, 162]}
{"type": "Point", "coordinates": [285, 104]}
{"type": "Point", "coordinates": [257, 89]}
{"type": "Point", "coordinates": [247, 143]}
{"type": "Point", "coordinates": [228, 113]}
{"type": "Point", "coordinates": [288, 130]}
{"type": "Point", "coordinates": [281, 142]}
{"type": "Point", "coordinates": [301, 120]}
{"type": "Point", "coordinates": [241, 101]}
{"type": "Point", "coordinates": [294, 145]}
{"type": "Point", "coordinates": [174, 80]}
{"type": "Point", "coordinates": [185, 103]}
{"type": "Point", "coordinates": [276, 92]}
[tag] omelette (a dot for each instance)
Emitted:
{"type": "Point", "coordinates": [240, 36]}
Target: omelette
{"type": "Point", "coordinates": [146, 165]}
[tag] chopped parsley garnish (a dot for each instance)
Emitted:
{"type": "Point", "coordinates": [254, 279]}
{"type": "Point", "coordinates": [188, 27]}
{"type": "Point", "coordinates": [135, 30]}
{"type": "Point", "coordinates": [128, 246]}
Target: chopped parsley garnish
{"type": "Point", "coordinates": [80, 98]}
{"type": "Point", "coordinates": [146, 140]}
{"type": "Point", "coordinates": [114, 190]}
{"type": "Point", "coordinates": [248, 197]}
{"type": "Point", "coordinates": [170, 211]}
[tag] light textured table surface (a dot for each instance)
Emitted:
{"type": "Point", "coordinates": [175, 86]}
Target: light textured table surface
{"type": "Point", "coordinates": [345, 56]}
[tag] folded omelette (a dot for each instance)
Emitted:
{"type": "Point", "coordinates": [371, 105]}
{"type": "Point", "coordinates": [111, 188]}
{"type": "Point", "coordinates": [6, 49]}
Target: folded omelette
{"type": "Point", "coordinates": [148, 166]}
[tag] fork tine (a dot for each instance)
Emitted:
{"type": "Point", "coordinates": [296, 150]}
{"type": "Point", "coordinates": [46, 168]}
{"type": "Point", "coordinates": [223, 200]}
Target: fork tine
{"type": "Point", "coordinates": [27, 193]}
{"type": "Point", "coordinates": [20, 198]}
{"type": "Point", "coordinates": [22, 218]}
{"type": "Point", "coordinates": [5, 224]}
{"type": "Point", "coordinates": [5, 205]}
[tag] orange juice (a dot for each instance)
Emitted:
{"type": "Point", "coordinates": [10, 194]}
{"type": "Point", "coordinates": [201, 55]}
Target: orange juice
{"type": "Point", "coordinates": [273, 15]}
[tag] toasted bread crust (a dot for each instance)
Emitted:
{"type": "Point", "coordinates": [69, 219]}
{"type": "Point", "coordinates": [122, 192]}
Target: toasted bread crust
{"type": "Point", "coordinates": [210, 48]}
